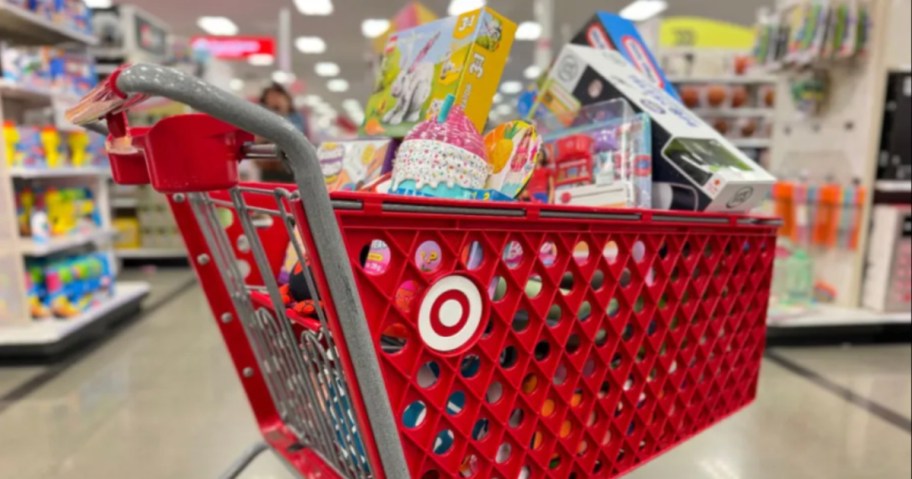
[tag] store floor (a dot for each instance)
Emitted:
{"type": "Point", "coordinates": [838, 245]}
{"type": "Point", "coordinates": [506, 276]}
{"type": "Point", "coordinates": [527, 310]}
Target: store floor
{"type": "Point", "coordinates": [161, 400]}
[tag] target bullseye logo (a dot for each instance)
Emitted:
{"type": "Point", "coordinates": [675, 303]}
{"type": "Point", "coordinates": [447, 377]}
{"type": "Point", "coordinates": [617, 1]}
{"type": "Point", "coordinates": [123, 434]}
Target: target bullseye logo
{"type": "Point", "coordinates": [449, 319]}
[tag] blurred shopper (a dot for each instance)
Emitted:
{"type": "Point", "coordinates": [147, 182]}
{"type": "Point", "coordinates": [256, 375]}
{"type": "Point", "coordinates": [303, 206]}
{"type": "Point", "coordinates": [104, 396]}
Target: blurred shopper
{"type": "Point", "coordinates": [277, 99]}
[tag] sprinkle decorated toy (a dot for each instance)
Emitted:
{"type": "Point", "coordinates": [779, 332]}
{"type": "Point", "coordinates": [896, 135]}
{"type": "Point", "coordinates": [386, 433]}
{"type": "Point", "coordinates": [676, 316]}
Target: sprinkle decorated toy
{"type": "Point", "coordinates": [444, 158]}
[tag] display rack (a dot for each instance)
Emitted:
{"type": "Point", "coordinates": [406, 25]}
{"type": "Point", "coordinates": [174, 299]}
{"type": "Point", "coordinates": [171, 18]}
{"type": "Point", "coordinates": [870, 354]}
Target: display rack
{"type": "Point", "coordinates": [19, 333]}
{"type": "Point", "coordinates": [840, 144]}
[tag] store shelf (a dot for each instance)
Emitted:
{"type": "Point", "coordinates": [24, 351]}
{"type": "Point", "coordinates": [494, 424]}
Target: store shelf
{"type": "Point", "coordinates": [151, 253]}
{"type": "Point", "coordinates": [50, 336]}
{"type": "Point", "coordinates": [730, 80]}
{"type": "Point", "coordinates": [68, 172]}
{"type": "Point", "coordinates": [738, 112]}
{"type": "Point", "coordinates": [56, 245]}
{"type": "Point", "coordinates": [893, 186]}
{"type": "Point", "coordinates": [836, 325]}
{"type": "Point", "coordinates": [751, 142]}
{"type": "Point", "coordinates": [20, 26]}
{"type": "Point", "coordinates": [124, 203]}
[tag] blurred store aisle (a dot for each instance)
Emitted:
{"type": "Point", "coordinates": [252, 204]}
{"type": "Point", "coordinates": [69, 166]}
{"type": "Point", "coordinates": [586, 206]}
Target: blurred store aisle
{"type": "Point", "coordinates": [161, 400]}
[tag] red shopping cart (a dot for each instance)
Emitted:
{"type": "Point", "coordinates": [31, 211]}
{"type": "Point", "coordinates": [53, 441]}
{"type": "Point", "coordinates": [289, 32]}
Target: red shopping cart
{"type": "Point", "coordinates": [448, 339]}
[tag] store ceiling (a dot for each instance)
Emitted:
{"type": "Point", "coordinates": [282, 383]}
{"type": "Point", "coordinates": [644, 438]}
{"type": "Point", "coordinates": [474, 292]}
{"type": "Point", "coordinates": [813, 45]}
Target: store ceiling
{"type": "Point", "coordinates": [350, 50]}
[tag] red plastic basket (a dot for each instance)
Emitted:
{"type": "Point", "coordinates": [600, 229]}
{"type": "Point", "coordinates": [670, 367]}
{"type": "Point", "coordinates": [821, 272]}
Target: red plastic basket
{"type": "Point", "coordinates": [512, 340]}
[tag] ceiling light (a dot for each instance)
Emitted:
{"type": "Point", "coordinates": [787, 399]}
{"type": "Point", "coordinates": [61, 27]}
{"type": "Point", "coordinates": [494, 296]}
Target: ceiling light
{"type": "Point", "coordinates": [310, 45]}
{"type": "Point", "coordinates": [314, 7]}
{"type": "Point", "coordinates": [351, 104]}
{"type": "Point", "coordinates": [282, 77]}
{"type": "Point", "coordinates": [99, 3]}
{"type": "Point", "coordinates": [511, 87]}
{"type": "Point", "coordinates": [326, 69]}
{"type": "Point", "coordinates": [532, 72]}
{"type": "Point", "coordinates": [217, 25]}
{"type": "Point", "coordinates": [374, 27]}
{"type": "Point", "coordinates": [504, 109]}
{"type": "Point", "coordinates": [337, 85]}
{"type": "Point", "coordinates": [641, 10]}
{"type": "Point", "coordinates": [236, 84]}
{"type": "Point", "coordinates": [356, 118]}
{"type": "Point", "coordinates": [458, 7]}
{"type": "Point", "coordinates": [311, 100]}
{"type": "Point", "coordinates": [498, 98]}
{"type": "Point", "coordinates": [261, 59]}
{"type": "Point", "coordinates": [530, 31]}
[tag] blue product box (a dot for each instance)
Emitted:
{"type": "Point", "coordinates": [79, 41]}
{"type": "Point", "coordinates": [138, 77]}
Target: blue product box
{"type": "Point", "coordinates": [609, 31]}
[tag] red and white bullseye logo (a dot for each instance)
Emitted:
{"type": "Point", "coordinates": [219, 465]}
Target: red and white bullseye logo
{"type": "Point", "coordinates": [449, 318]}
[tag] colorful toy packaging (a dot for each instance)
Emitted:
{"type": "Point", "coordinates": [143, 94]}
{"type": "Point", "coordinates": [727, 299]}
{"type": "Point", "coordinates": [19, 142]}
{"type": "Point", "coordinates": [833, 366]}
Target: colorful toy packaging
{"type": "Point", "coordinates": [66, 287]}
{"type": "Point", "coordinates": [696, 168]}
{"type": "Point", "coordinates": [462, 56]}
{"type": "Point", "coordinates": [609, 31]}
{"type": "Point", "coordinates": [349, 165]}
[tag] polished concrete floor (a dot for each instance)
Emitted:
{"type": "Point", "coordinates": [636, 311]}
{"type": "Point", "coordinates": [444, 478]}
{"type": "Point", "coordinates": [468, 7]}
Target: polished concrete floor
{"type": "Point", "coordinates": [160, 400]}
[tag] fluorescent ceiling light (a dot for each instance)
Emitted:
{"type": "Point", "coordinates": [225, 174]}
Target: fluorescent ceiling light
{"type": "Point", "coordinates": [311, 45]}
{"type": "Point", "coordinates": [337, 85]}
{"type": "Point", "coordinates": [529, 31]}
{"type": "Point", "coordinates": [357, 118]}
{"type": "Point", "coordinates": [351, 104]}
{"type": "Point", "coordinates": [314, 7]}
{"type": "Point", "coordinates": [217, 25]}
{"type": "Point", "coordinates": [311, 100]}
{"type": "Point", "coordinates": [511, 87]}
{"type": "Point", "coordinates": [236, 84]}
{"type": "Point", "coordinates": [374, 27]}
{"type": "Point", "coordinates": [282, 77]}
{"type": "Point", "coordinates": [498, 98]}
{"type": "Point", "coordinates": [261, 60]}
{"type": "Point", "coordinates": [532, 72]}
{"type": "Point", "coordinates": [641, 10]}
{"type": "Point", "coordinates": [458, 7]}
{"type": "Point", "coordinates": [504, 109]}
{"type": "Point", "coordinates": [99, 3]}
{"type": "Point", "coordinates": [326, 69]}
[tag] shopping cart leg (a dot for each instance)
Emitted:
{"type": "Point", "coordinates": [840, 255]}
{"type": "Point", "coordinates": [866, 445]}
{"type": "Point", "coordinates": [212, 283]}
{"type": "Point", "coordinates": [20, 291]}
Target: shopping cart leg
{"type": "Point", "coordinates": [242, 462]}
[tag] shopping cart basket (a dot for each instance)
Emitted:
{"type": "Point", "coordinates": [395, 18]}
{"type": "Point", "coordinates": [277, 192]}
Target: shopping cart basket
{"type": "Point", "coordinates": [448, 339]}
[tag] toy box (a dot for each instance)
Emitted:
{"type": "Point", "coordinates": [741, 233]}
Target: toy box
{"type": "Point", "coordinates": [349, 165]}
{"type": "Point", "coordinates": [462, 56]}
{"type": "Point", "coordinates": [610, 31]}
{"type": "Point", "coordinates": [694, 167]}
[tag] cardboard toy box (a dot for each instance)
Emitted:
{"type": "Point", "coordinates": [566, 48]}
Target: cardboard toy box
{"type": "Point", "coordinates": [463, 56]}
{"type": "Point", "coordinates": [349, 165]}
{"type": "Point", "coordinates": [694, 167]}
{"type": "Point", "coordinates": [609, 31]}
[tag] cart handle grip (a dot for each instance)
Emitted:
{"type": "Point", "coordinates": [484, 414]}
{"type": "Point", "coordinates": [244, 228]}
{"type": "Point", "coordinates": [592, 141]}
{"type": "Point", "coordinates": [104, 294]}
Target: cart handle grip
{"type": "Point", "coordinates": [141, 80]}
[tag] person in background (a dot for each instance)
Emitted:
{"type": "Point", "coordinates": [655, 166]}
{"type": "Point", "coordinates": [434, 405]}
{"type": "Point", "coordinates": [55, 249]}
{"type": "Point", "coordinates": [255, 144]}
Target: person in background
{"type": "Point", "coordinates": [276, 99]}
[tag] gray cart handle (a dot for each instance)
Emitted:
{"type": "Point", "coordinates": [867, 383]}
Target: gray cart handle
{"type": "Point", "coordinates": [132, 84]}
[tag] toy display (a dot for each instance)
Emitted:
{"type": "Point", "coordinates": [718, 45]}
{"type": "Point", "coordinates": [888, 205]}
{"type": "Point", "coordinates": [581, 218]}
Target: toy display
{"type": "Point", "coordinates": [349, 165]}
{"type": "Point", "coordinates": [462, 56]}
{"type": "Point", "coordinates": [697, 168]}
{"type": "Point", "coordinates": [49, 68]}
{"type": "Point", "coordinates": [56, 211]}
{"type": "Point", "coordinates": [613, 32]}
{"type": "Point", "coordinates": [66, 287]}
{"type": "Point", "coordinates": [47, 147]}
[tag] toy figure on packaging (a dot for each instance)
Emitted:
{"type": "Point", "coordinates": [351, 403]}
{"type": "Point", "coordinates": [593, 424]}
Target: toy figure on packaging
{"type": "Point", "coordinates": [29, 150]}
{"type": "Point", "coordinates": [11, 141]}
{"type": "Point", "coordinates": [513, 149]}
{"type": "Point", "coordinates": [34, 282]}
{"type": "Point", "coordinates": [54, 149]}
{"type": "Point", "coordinates": [348, 165]}
{"type": "Point", "coordinates": [79, 154]}
{"type": "Point", "coordinates": [462, 56]}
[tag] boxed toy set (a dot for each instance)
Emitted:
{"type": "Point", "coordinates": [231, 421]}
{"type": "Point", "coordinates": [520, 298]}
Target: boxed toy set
{"type": "Point", "coordinates": [350, 164]}
{"type": "Point", "coordinates": [694, 167]}
{"type": "Point", "coordinates": [612, 32]}
{"type": "Point", "coordinates": [463, 56]}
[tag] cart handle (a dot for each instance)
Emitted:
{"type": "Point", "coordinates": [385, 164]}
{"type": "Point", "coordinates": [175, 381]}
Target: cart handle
{"type": "Point", "coordinates": [131, 84]}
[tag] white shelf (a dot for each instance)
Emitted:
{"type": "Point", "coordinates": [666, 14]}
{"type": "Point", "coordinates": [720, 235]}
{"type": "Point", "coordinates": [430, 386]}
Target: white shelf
{"type": "Point", "coordinates": [67, 172]}
{"type": "Point", "coordinates": [150, 253]}
{"type": "Point", "coordinates": [893, 186]}
{"type": "Point", "coordinates": [56, 245]}
{"type": "Point", "coordinates": [751, 142]}
{"type": "Point", "coordinates": [50, 331]}
{"type": "Point", "coordinates": [830, 316]}
{"type": "Point", "coordinates": [124, 203]}
{"type": "Point", "coordinates": [21, 26]}
{"type": "Point", "coordinates": [739, 112]}
{"type": "Point", "coordinates": [728, 79]}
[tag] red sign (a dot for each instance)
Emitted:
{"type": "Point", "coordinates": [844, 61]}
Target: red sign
{"type": "Point", "coordinates": [234, 48]}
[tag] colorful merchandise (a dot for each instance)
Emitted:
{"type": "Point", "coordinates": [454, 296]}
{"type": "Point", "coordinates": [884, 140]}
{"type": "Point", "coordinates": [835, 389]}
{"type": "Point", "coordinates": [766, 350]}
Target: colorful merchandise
{"type": "Point", "coordinates": [697, 168]}
{"type": "Point", "coordinates": [613, 32]}
{"type": "Point", "coordinates": [66, 287]}
{"type": "Point", "coordinates": [462, 56]}
{"type": "Point", "coordinates": [513, 152]}
{"type": "Point", "coordinates": [10, 142]}
{"type": "Point", "coordinates": [445, 158]}
{"type": "Point", "coordinates": [349, 165]}
{"type": "Point", "coordinates": [49, 68]}
{"type": "Point", "coordinates": [55, 153]}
